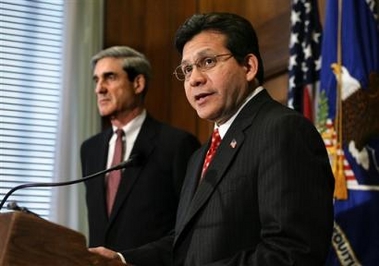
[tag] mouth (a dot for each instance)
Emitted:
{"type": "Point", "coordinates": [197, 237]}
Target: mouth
{"type": "Point", "coordinates": [102, 101]}
{"type": "Point", "coordinates": [202, 97]}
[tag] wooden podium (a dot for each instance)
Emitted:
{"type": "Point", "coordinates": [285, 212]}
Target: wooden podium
{"type": "Point", "coordinates": [29, 240]}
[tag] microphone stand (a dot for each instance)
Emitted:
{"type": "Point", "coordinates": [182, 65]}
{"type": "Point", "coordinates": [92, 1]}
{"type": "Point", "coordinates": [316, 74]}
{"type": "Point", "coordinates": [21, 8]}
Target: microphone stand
{"type": "Point", "coordinates": [133, 160]}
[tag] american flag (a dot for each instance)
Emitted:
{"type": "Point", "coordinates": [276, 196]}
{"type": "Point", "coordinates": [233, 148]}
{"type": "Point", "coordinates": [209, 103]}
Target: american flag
{"type": "Point", "coordinates": [305, 56]}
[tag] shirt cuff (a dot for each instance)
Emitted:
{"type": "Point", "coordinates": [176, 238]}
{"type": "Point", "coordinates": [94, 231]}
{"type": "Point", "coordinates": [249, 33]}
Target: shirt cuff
{"type": "Point", "coordinates": [122, 258]}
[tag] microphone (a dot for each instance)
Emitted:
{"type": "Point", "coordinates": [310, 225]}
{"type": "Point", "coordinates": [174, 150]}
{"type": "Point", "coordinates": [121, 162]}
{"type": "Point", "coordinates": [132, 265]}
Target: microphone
{"type": "Point", "coordinates": [134, 160]}
{"type": "Point", "coordinates": [14, 206]}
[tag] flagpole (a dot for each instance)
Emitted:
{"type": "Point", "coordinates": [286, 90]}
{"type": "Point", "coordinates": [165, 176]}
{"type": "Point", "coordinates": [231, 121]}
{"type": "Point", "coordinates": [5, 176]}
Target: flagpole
{"type": "Point", "coordinates": [340, 188]}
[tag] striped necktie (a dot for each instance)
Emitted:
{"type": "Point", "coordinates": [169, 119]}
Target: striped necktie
{"type": "Point", "coordinates": [215, 142]}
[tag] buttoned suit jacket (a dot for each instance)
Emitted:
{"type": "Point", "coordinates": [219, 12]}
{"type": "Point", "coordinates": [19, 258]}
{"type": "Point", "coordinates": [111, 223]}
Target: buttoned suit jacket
{"type": "Point", "coordinates": [146, 202]}
{"type": "Point", "coordinates": [266, 198]}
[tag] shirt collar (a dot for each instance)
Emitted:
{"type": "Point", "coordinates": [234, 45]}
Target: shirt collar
{"type": "Point", "coordinates": [225, 126]}
{"type": "Point", "coordinates": [134, 124]}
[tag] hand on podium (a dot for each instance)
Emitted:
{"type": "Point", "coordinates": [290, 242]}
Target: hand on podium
{"type": "Point", "coordinates": [110, 254]}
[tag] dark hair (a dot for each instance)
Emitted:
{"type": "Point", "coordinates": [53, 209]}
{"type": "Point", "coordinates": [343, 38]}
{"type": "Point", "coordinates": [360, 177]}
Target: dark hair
{"type": "Point", "coordinates": [134, 62]}
{"type": "Point", "coordinates": [239, 32]}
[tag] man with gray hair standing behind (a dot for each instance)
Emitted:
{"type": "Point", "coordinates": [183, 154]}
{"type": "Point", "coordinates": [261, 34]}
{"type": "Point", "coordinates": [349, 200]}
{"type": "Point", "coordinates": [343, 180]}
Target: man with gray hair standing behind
{"type": "Point", "coordinates": [131, 207]}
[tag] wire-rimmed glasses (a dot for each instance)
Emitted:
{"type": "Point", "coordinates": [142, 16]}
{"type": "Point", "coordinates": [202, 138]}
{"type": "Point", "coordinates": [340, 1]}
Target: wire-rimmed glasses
{"type": "Point", "coordinates": [184, 70]}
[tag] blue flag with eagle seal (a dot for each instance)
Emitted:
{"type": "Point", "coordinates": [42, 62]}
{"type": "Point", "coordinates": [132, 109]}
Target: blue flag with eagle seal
{"type": "Point", "coordinates": [348, 120]}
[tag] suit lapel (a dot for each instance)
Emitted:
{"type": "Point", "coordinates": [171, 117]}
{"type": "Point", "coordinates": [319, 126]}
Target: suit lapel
{"type": "Point", "coordinates": [144, 145]}
{"type": "Point", "coordinates": [198, 195]}
{"type": "Point", "coordinates": [226, 153]}
{"type": "Point", "coordinates": [190, 185]}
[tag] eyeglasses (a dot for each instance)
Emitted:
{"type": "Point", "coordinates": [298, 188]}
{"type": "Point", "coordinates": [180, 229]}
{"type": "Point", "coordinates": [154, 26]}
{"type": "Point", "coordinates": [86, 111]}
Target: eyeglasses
{"type": "Point", "coordinates": [184, 71]}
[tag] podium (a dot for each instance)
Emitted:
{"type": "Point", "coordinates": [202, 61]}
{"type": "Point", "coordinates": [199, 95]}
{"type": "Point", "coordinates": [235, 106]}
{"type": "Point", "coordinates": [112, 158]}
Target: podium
{"type": "Point", "coordinates": [26, 239]}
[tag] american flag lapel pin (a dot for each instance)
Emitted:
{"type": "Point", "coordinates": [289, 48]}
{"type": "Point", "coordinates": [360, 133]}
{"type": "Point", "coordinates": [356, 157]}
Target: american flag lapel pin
{"type": "Point", "coordinates": [233, 143]}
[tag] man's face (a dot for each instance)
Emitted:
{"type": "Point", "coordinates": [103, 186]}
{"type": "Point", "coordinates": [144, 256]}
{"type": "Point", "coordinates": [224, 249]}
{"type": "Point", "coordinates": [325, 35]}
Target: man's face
{"type": "Point", "coordinates": [217, 93]}
{"type": "Point", "coordinates": [116, 95]}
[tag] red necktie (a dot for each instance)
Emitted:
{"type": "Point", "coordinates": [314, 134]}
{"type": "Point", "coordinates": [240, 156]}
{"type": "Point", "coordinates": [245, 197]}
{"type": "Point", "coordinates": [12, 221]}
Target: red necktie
{"type": "Point", "coordinates": [114, 177]}
{"type": "Point", "coordinates": [215, 142]}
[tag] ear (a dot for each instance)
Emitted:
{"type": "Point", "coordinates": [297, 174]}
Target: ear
{"type": "Point", "coordinates": [251, 64]}
{"type": "Point", "coordinates": [139, 84]}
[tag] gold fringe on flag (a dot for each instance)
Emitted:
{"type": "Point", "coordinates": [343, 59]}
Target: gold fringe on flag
{"type": "Point", "coordinates": [340, 190]}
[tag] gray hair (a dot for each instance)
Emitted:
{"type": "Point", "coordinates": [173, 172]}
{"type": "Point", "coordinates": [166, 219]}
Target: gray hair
{"type": "Point", "coordinates": [134, 62]}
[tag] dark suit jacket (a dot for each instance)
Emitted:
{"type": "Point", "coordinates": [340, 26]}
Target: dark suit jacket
{"type": "Point", "coordinates": [147, 199]}
{"type": "Point", "coordinates": [266, 199]}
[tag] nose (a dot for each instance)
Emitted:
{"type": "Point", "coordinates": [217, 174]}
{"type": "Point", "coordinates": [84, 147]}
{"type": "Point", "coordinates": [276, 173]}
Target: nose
{"type": "Point", "coordinates": [99, 87]}
{"type": "Point", "coordinates": [197, 77]}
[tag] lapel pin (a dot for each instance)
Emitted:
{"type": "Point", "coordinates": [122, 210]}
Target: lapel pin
{"type": "Point", "coordinates": [233, 143]}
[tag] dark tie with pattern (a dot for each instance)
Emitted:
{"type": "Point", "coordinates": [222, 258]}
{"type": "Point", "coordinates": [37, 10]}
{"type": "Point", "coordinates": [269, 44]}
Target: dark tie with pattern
{"type": "Point", "coordinates": [215, 142]}
{"type": "Point", "coordinates": [114, 177]}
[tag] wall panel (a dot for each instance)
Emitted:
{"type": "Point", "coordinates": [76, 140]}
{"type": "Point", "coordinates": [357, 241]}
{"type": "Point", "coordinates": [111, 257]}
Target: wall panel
{"type": "Point", "coordinates": [150, 25]}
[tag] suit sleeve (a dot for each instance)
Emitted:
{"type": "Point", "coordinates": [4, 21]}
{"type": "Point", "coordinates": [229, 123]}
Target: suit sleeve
{"type": "Point", "coordinates": [157, 253]}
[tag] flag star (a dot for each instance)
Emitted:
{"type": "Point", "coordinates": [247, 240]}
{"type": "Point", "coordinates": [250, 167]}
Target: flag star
{"type": "Point", "coordinates": [307, 8]}
{"type": "Point", "coordinates": [316, 37]}
{"type": "Point", "coordinates": [304, 68]}
{"type": "Point", "coordinates": [292, 62]}
{"type": "Point", "coordinates": [292, 82]}
{"type": "Point", "coordinates": [303, 45]}
{"type": "Point", "coordinates": [307, 52]}
{"type": "Point", "coordinates": [294, 39]}
{"type": "Point", "coordinates": [306, 25]}
{"type": "Point", "coordinates": [295, 17]}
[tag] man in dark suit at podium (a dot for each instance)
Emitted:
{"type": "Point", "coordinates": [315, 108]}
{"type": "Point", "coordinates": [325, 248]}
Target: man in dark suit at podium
{"type": "Point", "coordinates": [266, 197]}
{"type": "Point", "coordinates": [141, 206]}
